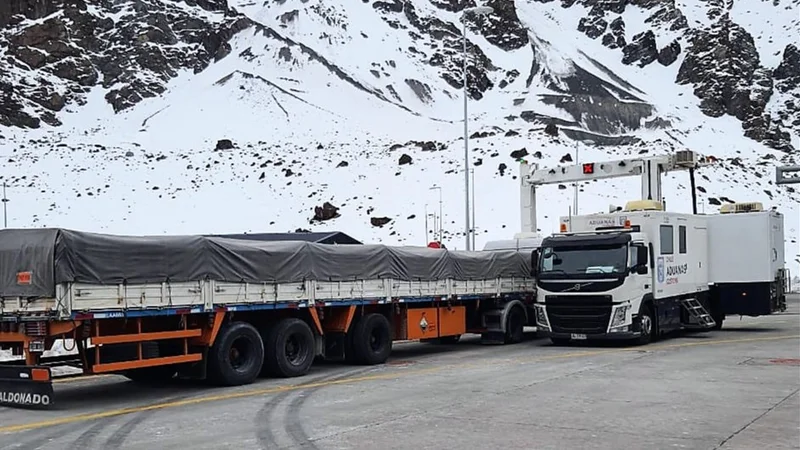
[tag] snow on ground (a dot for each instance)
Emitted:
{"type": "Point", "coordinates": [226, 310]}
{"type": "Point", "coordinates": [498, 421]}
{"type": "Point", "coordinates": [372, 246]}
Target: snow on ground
{"type": "Point", "coordinates": [766, 21]}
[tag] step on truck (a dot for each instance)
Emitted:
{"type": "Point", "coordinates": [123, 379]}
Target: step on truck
{"type": "Point", "coordinates": [639, 272]}
{"type": "Point", "coordinates": [229, 311]}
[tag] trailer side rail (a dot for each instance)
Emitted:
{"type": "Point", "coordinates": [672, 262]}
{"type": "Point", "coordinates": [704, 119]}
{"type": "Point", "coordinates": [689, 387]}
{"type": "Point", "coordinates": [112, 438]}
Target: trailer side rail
{"type": "Point", "coordinates": [77, 300]}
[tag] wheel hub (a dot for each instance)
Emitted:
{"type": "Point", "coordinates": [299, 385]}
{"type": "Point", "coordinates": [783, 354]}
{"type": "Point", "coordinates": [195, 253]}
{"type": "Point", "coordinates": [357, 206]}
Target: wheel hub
{"type": "Point", "coordinates": [647, 325]}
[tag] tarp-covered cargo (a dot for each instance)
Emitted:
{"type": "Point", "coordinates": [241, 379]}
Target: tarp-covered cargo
{"type": "Point", "coordinates": [34, 261]}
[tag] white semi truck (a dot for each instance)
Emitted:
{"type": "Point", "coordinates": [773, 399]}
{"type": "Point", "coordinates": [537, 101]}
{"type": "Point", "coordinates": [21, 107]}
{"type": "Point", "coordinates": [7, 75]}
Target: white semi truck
{"type": "Point", "coordinates": [640, 272]}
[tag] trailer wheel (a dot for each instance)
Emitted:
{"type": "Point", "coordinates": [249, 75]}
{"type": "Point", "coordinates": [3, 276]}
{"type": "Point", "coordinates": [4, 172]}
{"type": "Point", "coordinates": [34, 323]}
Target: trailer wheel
{"type": "Point", "coordinates": [289, 348]}
{"type": "Point", "coordinates": [372, 340]}
{"type": "Point", "coordinates": [236, 356]}
{"type": "Point", "coordinates": [647, 324]}
{"type": "Point", "coordinates": [515, 326]}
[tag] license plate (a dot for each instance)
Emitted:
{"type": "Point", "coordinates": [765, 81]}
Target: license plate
{"type": "Point", "coordinates": [579, 337]}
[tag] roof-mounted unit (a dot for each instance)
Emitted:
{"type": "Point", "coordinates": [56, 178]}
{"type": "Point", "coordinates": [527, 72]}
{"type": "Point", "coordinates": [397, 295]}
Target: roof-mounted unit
{"type": "Point", "coordinates": [685, 158]}
{"type": "Point", "coordinates": [644, 205]}
{"type": "Point", "coordinates": [734, 208]}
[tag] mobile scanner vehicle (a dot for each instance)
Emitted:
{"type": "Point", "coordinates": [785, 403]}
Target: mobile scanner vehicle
{"type": "Point", "coordinates": [640, 271]}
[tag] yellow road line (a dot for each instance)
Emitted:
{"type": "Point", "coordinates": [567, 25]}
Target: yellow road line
{"type": "Point", "coordinates": [385, 376]}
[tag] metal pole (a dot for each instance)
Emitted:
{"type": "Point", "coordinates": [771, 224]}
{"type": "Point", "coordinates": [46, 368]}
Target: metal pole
{"type": "Point", "coordinates": [694, 191]}
{"type": "Point", "coordinates": [577, 163]}
{"type": "Point", "coordinates": [466, 140]}
{"type": "Point", "coordinates": [473, 208]}
{"type": "Point", "coordinates": [426, 225]}
{"type": "Point", "coordinates": [5, 210]}
{"type": "Point", "coordinates": [441, 217]}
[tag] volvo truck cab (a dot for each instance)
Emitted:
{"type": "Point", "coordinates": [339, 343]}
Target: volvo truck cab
{"type": "Point", "coordinates": [631, 281]}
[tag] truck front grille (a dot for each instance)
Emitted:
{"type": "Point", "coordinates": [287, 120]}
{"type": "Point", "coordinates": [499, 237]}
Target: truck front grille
{"type": "Point", "coordinates": [585, 314]}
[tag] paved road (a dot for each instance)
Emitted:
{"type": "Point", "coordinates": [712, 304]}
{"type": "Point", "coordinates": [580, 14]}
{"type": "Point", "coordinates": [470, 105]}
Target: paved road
{"type": "Point", "coordinates": [728, 389]}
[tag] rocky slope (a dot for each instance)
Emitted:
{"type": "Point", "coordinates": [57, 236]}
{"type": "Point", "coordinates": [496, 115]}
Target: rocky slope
{"type": "Point", "coordinates": [57, 51]}
{"type": "Point", "coordinates": [136, 115]}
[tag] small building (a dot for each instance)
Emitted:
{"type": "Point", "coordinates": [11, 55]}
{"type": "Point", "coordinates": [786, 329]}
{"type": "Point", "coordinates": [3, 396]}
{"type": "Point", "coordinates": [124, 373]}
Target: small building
{"type": "Point", "coordinates": [322, 237]}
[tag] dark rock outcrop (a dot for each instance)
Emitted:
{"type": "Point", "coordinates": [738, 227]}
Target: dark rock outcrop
{"type": "Point", "coordinates": [325, 212]}
{"type": "Point", "coordinates": [642, 49]}
{"type": "Point", "coordinates": [224, 144]}
{"type": "Point", "coordinates": [128, 47]}
{"type": "Point", "coordinates": [502, 27]}
{"type": "Point", "coordinates": [521, 153]}
{"type": "Point", "coordinates": [787, 83]}
{"type": "Point", "coordinates": [723, 65]}
{"type": "Point", "coordinates": [444, 47]}
{"type": "Point", "coordinates": [379, 221]}
{"type": "Point", "coordinates": [615, 38]}
{"type": "Point", "coordinates": [594, 25]}
{"type": "Point", "coordinates": [669, 54]}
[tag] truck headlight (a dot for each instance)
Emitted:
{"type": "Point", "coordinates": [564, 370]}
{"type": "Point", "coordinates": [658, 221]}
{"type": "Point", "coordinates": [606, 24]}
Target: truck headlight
{"type": "Point", "coordinates": [541, 316]}
{"type": "Point", "coordinates": [620, 314]}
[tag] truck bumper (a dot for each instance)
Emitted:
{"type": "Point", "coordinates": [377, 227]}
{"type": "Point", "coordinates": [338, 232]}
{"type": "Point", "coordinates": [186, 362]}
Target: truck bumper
{"type": "Point", "coordinates": [616, 336]}
{"type": "Point", "coordinates": [26, 387]}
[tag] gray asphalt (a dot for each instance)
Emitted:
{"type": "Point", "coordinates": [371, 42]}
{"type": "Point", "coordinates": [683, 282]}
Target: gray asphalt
{"type": "Point", "coordinates": [732, 389]}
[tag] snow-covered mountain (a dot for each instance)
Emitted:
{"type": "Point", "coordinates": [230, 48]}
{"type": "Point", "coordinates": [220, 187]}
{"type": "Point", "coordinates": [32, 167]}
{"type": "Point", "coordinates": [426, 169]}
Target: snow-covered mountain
{"type": "Point", "coordinates": [215, 116]}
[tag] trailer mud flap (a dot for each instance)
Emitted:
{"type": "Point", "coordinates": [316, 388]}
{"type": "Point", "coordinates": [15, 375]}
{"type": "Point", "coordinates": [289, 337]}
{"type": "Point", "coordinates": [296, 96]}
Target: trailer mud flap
{"type": "Point", "coordinates": [29, 387]}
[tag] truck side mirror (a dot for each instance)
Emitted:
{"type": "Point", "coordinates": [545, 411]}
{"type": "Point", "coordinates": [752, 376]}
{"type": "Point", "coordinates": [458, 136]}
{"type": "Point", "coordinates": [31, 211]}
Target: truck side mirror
{"type": "Point", "coordinates": [641, 256]}
{"type": "Point", "coordinates": [641, 269]}
{"type": "Point", "coordinates": [535, 263]}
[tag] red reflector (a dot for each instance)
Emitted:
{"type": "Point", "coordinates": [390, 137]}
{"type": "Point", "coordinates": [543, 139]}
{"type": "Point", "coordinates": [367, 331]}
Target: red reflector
{"type": "Point", "coordinates": [24, 278]}
{"type": "Point", "coordinates": [588, 168]}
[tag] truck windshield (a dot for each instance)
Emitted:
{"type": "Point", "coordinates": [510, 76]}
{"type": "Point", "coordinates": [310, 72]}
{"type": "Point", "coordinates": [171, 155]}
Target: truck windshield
{"type": "Point", "coordinates": [584, 260]}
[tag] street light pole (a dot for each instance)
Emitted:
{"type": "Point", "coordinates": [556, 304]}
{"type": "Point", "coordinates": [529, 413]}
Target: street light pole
{"type": "Point", "coordinates": [466, 138]}
{"type": "Point", "coordinates": [473, 208]}
{"type": "Point", "coordinates": [477, 10]}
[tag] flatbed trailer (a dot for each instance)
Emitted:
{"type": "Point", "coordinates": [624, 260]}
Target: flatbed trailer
{"type": "Point", "coordinates": [230, 311]}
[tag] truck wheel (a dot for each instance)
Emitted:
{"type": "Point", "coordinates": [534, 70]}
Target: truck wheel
{"type": "Point", "coordinates": [646, 324]}
{"type": "Point", "coordinates": [372, 340]}
{"type": "Point", "coordinates": [289, 349]}
{"type": "Point", "coordinates": [515, 326]}
{"type": "Point", "coordinates": [236, 356]}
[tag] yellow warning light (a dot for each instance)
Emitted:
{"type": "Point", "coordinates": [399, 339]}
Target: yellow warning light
{"type": "Point", "coordinates": [563, 228]}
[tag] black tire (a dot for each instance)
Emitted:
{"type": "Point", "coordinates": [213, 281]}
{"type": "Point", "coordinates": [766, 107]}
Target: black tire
{"type": "Point", "coordinates": [647, 325]}
{"type": "Point", "coordinates": [289, 348]}
{"type": "Point", "coordinates": [371, 340]}
{"type": "Point", "coordinates": [236, 356]}
{"type": "Point", "coordinates": [515, 326]}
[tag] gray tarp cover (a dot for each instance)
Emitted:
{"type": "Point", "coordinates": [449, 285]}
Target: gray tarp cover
{"type": "Point", "coordinates": [56, 256]}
